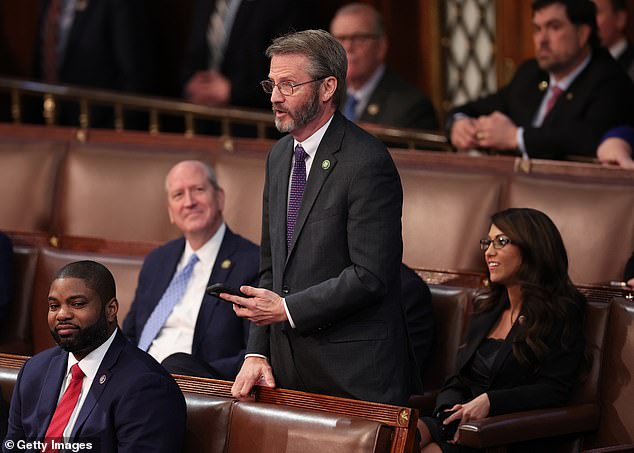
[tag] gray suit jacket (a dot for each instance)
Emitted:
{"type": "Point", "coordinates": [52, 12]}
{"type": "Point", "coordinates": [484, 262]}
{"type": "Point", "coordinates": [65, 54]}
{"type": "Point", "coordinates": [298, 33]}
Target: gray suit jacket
{"type": "Point", "coordinates": [394, 102]}
{"type": "Point", "coordinates": [340, 278]}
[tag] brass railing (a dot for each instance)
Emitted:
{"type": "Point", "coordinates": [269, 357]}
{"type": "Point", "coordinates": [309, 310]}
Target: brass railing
{"type": "Point", "coordinates": [48, 96]}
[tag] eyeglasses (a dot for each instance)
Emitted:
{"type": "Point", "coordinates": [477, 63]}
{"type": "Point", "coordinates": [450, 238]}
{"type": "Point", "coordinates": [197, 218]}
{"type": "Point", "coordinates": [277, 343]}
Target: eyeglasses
{"type": "Point", "coordinates": [286, 88]}
{"type": "Point", "coordinates": [498, 243]}
{"type": "Point", "coordinates": [357, 38]}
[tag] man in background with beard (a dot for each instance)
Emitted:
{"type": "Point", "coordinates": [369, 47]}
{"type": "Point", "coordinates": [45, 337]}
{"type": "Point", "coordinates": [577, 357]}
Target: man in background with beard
{"type": "Point", "coordinates": [94, 388]}
{"type": "Point", "coordinates": [327, 315]}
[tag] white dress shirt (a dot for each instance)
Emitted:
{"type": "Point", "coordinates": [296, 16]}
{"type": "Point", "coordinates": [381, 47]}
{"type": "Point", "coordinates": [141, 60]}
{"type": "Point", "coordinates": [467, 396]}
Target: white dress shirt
{"type": "Point", "coordinates": [177, 334]}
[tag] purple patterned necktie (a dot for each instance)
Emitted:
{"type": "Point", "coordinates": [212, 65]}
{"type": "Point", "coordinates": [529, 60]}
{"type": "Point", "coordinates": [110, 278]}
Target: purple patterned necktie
{"type": "Point", "coordinates": [298, 182]}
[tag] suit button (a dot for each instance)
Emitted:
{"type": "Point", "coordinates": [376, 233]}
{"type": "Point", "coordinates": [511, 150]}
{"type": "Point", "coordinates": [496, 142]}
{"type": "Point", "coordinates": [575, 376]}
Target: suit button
{"type": "Point", "coordinates": [285, 290]}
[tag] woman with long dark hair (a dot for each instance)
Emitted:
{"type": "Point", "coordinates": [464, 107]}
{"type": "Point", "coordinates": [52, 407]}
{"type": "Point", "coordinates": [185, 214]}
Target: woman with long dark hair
{"type": "Point", "coordinates": [524, 345]}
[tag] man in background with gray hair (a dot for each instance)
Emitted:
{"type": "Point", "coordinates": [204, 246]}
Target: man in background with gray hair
{"type": "Point", "coordinates": [326, 317]}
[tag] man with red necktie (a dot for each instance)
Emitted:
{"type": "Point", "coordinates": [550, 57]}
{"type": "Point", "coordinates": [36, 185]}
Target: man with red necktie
{"type": "Point", "coordinates": [95, 391]}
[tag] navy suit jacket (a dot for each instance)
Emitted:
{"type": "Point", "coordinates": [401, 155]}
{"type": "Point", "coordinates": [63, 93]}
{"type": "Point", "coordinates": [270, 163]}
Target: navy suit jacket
{"type": "Point", "coordinates": [394, 102]}
{"type": "Point", "coordinates": [599, 99]}
{"type": "Point", "coordinates": [133, 405]}
{"type": "Point", "coordinates": [340, 277]}
{"type": "Point", "coordinates": [220, 337]}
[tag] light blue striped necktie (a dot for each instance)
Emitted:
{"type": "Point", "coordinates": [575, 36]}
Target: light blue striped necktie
{"type": "Point", "coordinates": [170, 298]}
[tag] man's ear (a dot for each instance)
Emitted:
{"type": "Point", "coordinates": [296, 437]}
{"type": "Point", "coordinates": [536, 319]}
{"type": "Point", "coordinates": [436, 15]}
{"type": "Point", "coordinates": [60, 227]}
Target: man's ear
{"type": "Point", "coordinates": [583, 34]}
{"type": "Point", "coordinates": [328, 88]}
{"type": "Point", "coordinates": [112, 308]}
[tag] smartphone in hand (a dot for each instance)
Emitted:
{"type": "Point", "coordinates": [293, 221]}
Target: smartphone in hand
{"type": "Point", "coordinates": [217, 288]}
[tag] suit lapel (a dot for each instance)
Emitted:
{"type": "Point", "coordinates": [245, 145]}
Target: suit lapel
{"type": "Point", "coordinates": [50, 391]}
{"type": "Point", "coordinates": [219, 274]}
{"type": "Point", "coordinates": [101, 381]}
{"type": "Point", "coordinates": [322, 166]}
{"type": "Point", "coordinates": [281, 171]}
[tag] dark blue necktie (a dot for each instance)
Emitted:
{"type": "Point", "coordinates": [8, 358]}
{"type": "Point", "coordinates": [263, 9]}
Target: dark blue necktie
{"type": "Point", "coordinates": [350, 108]}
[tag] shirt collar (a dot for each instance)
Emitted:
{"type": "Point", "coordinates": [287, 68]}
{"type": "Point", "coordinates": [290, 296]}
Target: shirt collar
{"type": "Point", "coordinates": [91, 363]}
{"type": "Point", "coordinates": [565, 83]}
{"type": "Point", "coordinates": [207, 253]}
{"type": "Point", "coordinates": [618, 48]}
{"type": "Point", "coordinates": [311, 144]}
{"type": "Point", "coordinates": [368, 88]}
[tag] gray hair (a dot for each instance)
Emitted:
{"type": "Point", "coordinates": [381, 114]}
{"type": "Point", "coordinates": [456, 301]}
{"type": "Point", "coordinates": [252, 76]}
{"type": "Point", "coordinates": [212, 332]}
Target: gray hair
{"type": "Point", "coordinates": [325, 54]}
{"type": "Point", "coordinates": [364, 8]}
{"type": "Point", "coordinates": [208, 169]}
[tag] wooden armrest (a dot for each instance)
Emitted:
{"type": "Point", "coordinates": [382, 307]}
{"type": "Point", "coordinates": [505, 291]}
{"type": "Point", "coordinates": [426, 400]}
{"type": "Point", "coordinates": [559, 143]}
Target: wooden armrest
{"type": "Point", "coordinates": [527, 425]}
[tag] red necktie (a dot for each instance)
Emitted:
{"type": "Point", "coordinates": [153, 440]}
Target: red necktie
{"type": "Point", "coordinates": [65, 407]}
{"type": "Point", "coordinates": [555, 92]}
{"type": "Point", "coordinates": [51, 41]}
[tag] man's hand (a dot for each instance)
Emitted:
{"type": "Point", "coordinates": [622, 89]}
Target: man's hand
{"type": "Point", "coordinates": [463, 133]}
{"type": "Point", "coordinates": [263, 308]}
{"type": "Point", "coordinates": [615, 151]}
{"type": "Point", "coordinates": [208, 88]}
{"type": "Point", "coordinates": [496, 131]}
{"type": "Point", "coordinates": [254, 371]}
{"type": "Point", "coordinates": [475, 409]}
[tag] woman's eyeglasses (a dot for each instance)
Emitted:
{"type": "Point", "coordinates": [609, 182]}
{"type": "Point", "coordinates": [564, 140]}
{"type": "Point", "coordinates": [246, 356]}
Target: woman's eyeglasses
{"type": "Point", "coordinates": [498, 243]}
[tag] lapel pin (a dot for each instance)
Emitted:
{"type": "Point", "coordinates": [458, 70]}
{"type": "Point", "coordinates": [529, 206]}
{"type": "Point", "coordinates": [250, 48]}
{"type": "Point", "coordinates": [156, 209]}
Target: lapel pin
{"type": "Point", "coordinates": [569, 96]}
{"type": "Point", "coordinates": [543, 85]}
{"type": "Point", "coordinates": [226, 264]}
{"type": "Point", "coordinates": [325, 164]}
{"type": "Point", "coordinates": [102, 379]}
{"type": "Point", "coordinates": [373, 109]}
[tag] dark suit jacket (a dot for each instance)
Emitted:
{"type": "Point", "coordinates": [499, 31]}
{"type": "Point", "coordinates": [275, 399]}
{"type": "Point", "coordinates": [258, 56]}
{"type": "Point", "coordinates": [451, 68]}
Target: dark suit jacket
{"type": "Point", "coordinates": [220, 337]}
{"type": "Point", "coordinates": [137, 408]}
{"type": "Point", "coordinates": [341, 276]}
{"type": "Point", "coordinates": [245, 64]}
{"type": "Point", "coordinates": [6, 275]}
{"type": "Point", "coordinates": [626, 60]}
{"type": "Point", "coordinates": [512, 387]}
{"type": "Point", "coordinates": [416, 300]}
{"type": "Point", "coordinates": [629, 269]}
{"type": "Point", "coordinates": [394, 102]}
{"type": "Point", "coordinates": [601, 97]}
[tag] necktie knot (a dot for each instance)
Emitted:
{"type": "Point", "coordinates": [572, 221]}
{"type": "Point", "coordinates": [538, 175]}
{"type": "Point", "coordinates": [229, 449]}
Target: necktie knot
{"type": "Point", "coordinates": [300, 154]}
{"type": "Point", "coordinates": [76, 372]}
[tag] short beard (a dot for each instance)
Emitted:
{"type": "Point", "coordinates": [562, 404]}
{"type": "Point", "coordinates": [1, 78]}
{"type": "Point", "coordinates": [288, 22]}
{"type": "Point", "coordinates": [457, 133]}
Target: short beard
{"type": "Point", "coordinates": [87, 339]}
{"type": "Point", "coordinates": [302, 117]}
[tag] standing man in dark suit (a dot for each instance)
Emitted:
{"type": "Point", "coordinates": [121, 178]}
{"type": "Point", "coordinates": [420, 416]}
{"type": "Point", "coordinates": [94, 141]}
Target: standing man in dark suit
{"type": "Point", "coordinates": [94, 43]}
{"type": "Point", "coordinates": [95, 387]}
{"type": "Point", "coordinates": [612, 24]}
{"type": "Point", "coordinates": [197, 334]}
{"type": "Point", "coordinates": [327, 313]}
{"type": "Point", "coordinates": [558, 104]}
{"type": "Point", "coordinates": [376, 94]}
{"type": "Point", "coordinates": [225, 57]}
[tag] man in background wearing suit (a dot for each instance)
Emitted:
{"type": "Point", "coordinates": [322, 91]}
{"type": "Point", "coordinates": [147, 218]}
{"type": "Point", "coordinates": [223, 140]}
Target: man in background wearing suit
{"type": "Point", "coordinates": [612, 24]}
{"type": "Point", "coordinates": [189, 331]}
{"type": "Point", "coordinates": [225, 57]}
{"type": "Point", "coordinates": [95, 387]}
{"type": "Point", "coordinates": [558, 104]}
{"type": "Point", "coordinates": [327, 315]}
{"type": "Point", "coordinates": [376, 94]}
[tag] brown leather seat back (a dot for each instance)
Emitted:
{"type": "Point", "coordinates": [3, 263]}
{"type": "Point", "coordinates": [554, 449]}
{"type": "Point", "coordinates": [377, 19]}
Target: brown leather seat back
{"type": "Point", "coordinates": [451, 307]}
{"type": "Point", "coordinates": [616, 425]}
{"type": "Point", "coordinates": [15, 337]}
{"type": "Point", "coordinates": [207, 423]}
{"type": "Point", "coordinates": [8, 378]}
{"type": "Point", "coordinates": [596, 222]}
{"type": "Point", "coordinates": [28, 177]}
{"type": "Point", "coordinates": [263, 428]}
{"type": "Point", "coordinates": [242, 179]}
{"type": "Point", "coordinates": [597, 313]}
{"type": "Point", "coordinates": [125, 270]}
{"type": "Point", "coordinates": [444, 217]}
{"type": "Point", "coordinates": [115, 193]}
